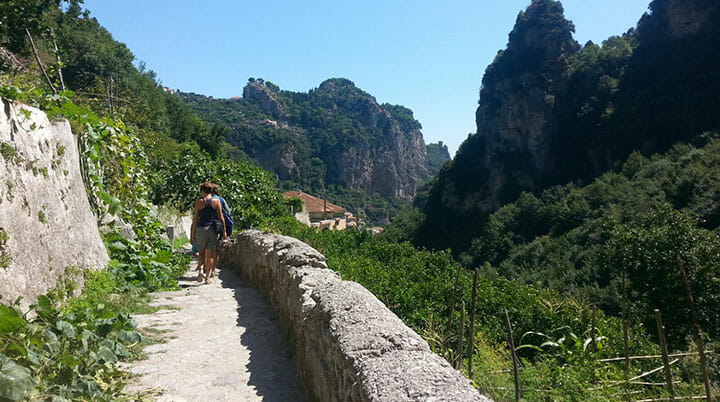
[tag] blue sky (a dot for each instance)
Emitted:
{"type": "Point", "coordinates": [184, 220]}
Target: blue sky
{"type": "Point", "coordinates": [427, 55]}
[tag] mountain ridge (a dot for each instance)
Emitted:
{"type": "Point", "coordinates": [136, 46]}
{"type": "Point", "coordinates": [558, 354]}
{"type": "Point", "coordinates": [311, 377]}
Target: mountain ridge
{"type": "Point", "coordinates": [335, 134]}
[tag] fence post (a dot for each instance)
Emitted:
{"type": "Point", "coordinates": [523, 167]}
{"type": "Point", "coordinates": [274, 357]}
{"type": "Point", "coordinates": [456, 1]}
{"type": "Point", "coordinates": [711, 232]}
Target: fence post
{"type": "Point", "coordinates": [593, 335]}
{"type": "Point", "coordinates": [698, 331]}
{"type": "Point", "coordinates": [455, 287]}
{"type": "Point", "coordinates": [171, 236]}
{"type": "Point", "coordinates": [472, 324]}
{"type": "Point", "coordinates": [626, 341]}
{"type": "Point", "coordinates": [664, 351]}
{"type": "Point", "coordinates": [626, 347]}
{"type": "Point", "coordinates": [458, 362]}
{"type": "Point", "coordinates": [514, 356]}
{"type": "Point", "coordinates": [593, 347]}
{"type": "Point", "coordinates": [57, 57]}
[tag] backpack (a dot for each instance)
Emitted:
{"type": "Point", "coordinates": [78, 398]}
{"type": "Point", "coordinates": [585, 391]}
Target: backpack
{"type": "Point", "coordinates": [229, 223]}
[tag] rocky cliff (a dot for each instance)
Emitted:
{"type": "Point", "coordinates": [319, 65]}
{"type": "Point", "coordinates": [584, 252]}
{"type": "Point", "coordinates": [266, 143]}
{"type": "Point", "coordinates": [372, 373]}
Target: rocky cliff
{"type": "Point", "coordinates": [516, 114]}
{"type": "Point", "coordinates": [45, 216]}
{"type": "Point", "coordinates": [263, 97]}
{"type": "Point", "coordinates": [335, 134]}
{"type": "Point", "coordinates": [388, 156]}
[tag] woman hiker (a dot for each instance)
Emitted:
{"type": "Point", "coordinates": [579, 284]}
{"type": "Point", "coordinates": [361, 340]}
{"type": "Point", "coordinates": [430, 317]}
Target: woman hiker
{"type": "Point", "coordinates": [226, 217]}
{"type": "Point", "coordinates": [207, 228]}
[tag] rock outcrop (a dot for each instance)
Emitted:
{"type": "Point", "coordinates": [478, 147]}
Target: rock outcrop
{"type": "Point", "coordinates": [263, 96]}
{"type": "Point", "coordinates": [686, 17]}
{"type": "Point", "coordinates": [280, 159]}
{"type": "Point", "coordinates": [437, 155]}
{"type": "Point", "coordinates": [347, 344]}
{"type": "Point", "coordinates": [44, 209]}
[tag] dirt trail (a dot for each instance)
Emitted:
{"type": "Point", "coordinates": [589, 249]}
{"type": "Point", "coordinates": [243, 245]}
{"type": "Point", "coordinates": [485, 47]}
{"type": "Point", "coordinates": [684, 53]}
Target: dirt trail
{"type": "Point", "coordinates": [222, 344]}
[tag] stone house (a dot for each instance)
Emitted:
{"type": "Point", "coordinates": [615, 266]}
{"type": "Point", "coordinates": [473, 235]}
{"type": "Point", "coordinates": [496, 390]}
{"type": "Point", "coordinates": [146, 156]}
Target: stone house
{"type": "Point", "coordinates": [319, 213]}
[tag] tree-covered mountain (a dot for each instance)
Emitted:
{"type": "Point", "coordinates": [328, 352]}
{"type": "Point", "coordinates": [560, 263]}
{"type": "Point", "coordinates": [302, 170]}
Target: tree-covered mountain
{"type": "Point", "coordinates": [552, 111]}
{"type": "Point", "coordinates": [437, 155]}
{"type": "Point", "coordinates": [333, 135]}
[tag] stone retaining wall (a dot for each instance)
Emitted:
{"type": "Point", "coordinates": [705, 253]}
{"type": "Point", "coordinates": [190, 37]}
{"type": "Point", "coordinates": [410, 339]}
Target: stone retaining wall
{"type": "Point", "coordinates": [348, 346]}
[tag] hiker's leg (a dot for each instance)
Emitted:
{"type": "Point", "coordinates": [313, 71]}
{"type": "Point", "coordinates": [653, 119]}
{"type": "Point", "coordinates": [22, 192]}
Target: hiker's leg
{"type": "Point", "coordinates": [209, 263]}
{"type": "Point", "coordinates": [217, 261]}
{"type": "Point", "coordinates": [201, 260]}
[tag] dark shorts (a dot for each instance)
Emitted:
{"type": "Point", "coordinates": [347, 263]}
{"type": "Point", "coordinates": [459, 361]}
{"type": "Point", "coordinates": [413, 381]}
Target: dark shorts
{"type": "Point", "coordinates": [206, 239]}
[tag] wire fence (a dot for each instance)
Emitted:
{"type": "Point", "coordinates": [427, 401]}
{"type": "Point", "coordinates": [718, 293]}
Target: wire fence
{"type": "Point", "coordinates": [632, 385]}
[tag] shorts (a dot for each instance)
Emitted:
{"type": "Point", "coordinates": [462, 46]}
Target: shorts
{"type": "Point", "coordinates": [206, 239]}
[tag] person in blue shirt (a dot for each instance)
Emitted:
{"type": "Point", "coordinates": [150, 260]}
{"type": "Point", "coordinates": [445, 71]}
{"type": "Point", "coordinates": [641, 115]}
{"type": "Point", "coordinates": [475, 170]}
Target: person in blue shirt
{"type": "Point", "coordinates": [216, 194]}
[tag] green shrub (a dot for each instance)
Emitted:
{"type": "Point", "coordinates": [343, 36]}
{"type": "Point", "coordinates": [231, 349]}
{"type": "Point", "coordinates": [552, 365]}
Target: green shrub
{"type": "Point", "coordinates": [249, 191]}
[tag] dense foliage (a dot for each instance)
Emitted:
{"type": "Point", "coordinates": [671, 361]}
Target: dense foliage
{"type": "Point", "coordinates": [635, 221]}
{"type": "Point", "coordinates": [581, 239]}
{"type": "Point", "coordinates": [66, 354]}
{"type": "Point", "coordinates": [552, 332]}
{"type": "Point", "coordinates": [249, 191]}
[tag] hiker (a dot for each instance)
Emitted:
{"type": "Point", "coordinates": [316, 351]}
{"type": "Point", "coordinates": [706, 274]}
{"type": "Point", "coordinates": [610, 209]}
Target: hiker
{"type": "Point", "coordinates": [229, 223]}
{"type": "Point", "coordinates": [208, 227]}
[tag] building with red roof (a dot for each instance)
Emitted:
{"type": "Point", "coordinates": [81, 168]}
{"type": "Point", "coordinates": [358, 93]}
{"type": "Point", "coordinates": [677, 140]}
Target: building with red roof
{"type": "Point", "coordinates": [319, 213]}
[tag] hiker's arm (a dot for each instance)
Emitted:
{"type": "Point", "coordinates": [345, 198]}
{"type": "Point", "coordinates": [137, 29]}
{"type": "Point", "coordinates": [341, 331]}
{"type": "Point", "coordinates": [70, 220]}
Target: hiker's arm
{"type": "Point", "coordinates": [218, 209]}
{"type": "Point", "coordinates": [196, 211]}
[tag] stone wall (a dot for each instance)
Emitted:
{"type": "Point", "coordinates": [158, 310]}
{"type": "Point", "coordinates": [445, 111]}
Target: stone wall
{"type": "Point", "coordinates": [348, 346]}
{"type": "Point", "coordinates": [44, 209]}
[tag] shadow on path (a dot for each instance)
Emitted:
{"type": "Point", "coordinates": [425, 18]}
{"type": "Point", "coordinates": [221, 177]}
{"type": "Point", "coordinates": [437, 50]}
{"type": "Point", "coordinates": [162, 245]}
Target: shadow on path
{"type": "Point", "coordinates": [273, 372]}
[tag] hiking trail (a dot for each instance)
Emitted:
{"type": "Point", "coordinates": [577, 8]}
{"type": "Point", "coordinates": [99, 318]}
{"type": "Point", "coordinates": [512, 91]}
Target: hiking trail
{"type": "Point", "coordinates": [222, 343]}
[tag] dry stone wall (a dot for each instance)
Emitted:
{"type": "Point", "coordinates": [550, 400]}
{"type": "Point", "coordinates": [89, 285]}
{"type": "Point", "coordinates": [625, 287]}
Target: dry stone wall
{"type": "Point", "coordinates": [44, 211]}
{"type": "Point", "coordinates": [348, 346]}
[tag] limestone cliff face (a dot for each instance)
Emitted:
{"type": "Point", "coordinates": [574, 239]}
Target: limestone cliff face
{"type": "Point", "coordinates": [44, 210]}
{"type": "Point", "coordinates": [392, 165]}
{"type": "Point", "coordinates": [516, 115]}
{"type": "Point", "coordinates": [686, 17]}
{"type": "Point", "coordinates": [280, 159]}
{"type": "Point", "coordinates": [393, 170]}
{"type": "Point", "coordinates": [335, 134]}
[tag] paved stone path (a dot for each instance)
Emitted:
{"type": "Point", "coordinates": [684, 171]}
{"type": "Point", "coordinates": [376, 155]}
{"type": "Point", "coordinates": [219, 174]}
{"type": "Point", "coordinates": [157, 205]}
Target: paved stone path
{"type": "Point", "coordinates": [222, 344]}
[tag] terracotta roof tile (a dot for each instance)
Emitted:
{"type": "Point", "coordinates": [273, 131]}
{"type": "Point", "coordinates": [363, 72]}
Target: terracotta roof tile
{"type": "Point", "coordinates": [314, 204]}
